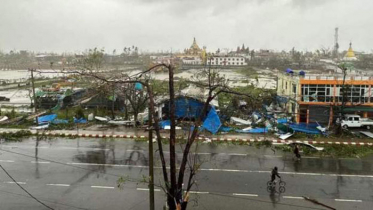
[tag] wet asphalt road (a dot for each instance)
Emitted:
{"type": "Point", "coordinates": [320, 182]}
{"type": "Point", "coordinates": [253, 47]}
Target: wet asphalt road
{"type": "Point", "coordinates": [83, 174]}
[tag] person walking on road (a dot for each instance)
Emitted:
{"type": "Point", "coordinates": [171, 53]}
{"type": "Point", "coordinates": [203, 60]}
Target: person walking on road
{"type": "Point", "coordinates": [296, 152]}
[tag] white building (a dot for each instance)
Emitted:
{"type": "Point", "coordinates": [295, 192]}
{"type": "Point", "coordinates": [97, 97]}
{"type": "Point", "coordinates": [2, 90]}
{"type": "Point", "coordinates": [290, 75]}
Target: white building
{"type": "Point", "coordinates": [192, 60]}
{"type": "Point", "coordinates": [227, 61]}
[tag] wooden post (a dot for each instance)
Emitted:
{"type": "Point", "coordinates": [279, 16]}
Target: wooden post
{"type": "Point", "coordinates": [33, 90]}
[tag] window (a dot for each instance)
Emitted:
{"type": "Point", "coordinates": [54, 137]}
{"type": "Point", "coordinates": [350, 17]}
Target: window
{"type": "Point", "coordinates": [241, 63]}
{"type": "Point", "coordinates": [356, 119]}
{"type": "Point", "coordinates": [317, 93]}
{"type": "Point", "coordinates": [353, 93]}
{"type": "Point", "coordinates": [229, 59]}
{"type": "Point", "coordinates": [229, 63]}
{"type": "Point", "coordinates": [294, 88]}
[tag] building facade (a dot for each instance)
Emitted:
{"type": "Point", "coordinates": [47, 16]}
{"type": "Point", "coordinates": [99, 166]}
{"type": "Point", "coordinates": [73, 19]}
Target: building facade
{"type": "Point", "coordinates": [318, 98]}
{"type": "Point", "coordinates": [192, 61]}
{"type": "Point", "coordinates": [226, 61]}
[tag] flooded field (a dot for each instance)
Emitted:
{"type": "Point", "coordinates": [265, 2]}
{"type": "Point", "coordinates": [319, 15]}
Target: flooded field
{"type": "Point", "coordinates": [237, 79]}
{"type": "Point", "coordinates": [21, 97]}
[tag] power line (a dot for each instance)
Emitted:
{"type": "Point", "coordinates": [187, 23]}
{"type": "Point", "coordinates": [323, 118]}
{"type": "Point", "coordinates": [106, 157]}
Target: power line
{"type": "Point", "coordinates": [25, 189]}
{"type": "Point", "coordinates": [212, 193]}
{"type": "Point", "coordinates": [74, 166]}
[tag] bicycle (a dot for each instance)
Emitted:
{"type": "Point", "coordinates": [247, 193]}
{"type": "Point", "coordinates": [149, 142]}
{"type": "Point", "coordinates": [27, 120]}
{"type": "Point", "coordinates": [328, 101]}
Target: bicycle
{"type": "Point", "coordinates": [271, 186]}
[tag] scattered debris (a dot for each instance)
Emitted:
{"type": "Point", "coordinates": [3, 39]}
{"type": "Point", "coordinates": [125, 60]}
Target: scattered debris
{"type": "Point", "coordinates": [41, 127]}
{"type": "Point", "coordinates": [239, 121]}
{"type": "Point", "coordinates": [285, 136]}
{"type": "Point", "coordinates": [90, 117]}
{"type": "Point", "coordinates": [3, 119]}
{"type": "Point", "coordinates": [81, 120]}
{"type": "Point", "coordinates": [367, 133]}
{"type": "Point", "coordinates": [121, 122]}
{"type": "Point", "coordinates": [102, 119]}
{"type": "Point", "coordinates": [254, 130]}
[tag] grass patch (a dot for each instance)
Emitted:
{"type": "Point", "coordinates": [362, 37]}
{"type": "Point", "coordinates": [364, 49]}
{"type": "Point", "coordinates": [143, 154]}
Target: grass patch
{"type": "Point", "coordinates": [248, 72]}
{"type": "Point", "coordinates": [347, 151]}
{"type": "Point", "coordinates": [332, 150]}
{"type": "Point", "coordinates": [17, 136]}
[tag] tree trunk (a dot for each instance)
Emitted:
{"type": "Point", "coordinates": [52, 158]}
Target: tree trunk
{"type": "Point", "coordinates": [135, 116]}
{"type": "Point", "coordinates": [158, 133]}
{"type": "Point", "coordinates": [173, 189]}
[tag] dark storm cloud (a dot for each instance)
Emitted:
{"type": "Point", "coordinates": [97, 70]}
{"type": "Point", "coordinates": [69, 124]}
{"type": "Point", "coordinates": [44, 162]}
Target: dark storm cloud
{"type": "Point", "coordinates": [68, 25]}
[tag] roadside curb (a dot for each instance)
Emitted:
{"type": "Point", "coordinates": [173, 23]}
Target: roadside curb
{"type": "Point", "coordinates": [203, 139]}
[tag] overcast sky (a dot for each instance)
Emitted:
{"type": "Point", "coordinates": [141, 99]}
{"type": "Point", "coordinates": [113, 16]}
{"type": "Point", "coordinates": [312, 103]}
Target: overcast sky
{"type": "Point", "coordinates": [76, 25]}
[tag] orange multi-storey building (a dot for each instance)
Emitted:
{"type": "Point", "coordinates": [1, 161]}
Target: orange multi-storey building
{"type": "Point", "coordinates": [315, 98]}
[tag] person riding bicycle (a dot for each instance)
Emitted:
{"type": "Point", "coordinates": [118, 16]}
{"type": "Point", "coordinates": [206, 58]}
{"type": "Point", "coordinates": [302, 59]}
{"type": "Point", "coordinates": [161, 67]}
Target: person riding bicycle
{"type": "Point", "coordinates": [274, 174]}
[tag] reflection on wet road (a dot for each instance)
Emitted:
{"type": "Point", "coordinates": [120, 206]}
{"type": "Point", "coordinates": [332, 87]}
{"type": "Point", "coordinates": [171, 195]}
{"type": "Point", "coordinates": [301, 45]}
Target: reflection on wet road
{"type": "Point", "coordinates": [82, 169]}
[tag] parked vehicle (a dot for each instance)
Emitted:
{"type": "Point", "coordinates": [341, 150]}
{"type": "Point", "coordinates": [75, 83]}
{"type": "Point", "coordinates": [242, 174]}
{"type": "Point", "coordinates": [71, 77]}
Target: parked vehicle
{"type": "Point", "coordinates": [3, 98]}
{"type": "Point", "coordinates": [355, 121]}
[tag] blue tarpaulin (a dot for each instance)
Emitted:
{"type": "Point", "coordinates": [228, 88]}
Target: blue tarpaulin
{"type": "Point", "coordinates": [138, 86]}
{"type": "Point", "coordinates": [81, 120]}
{"type": "Point", "coordinates": [188, 108]}
{"type": "Point", "coordinates": [212, 122]}
{"type": "Point", "coordinates": [225, 129]}
{"type": "Point", "coordinates": [281, 99]}
{"type": "Point", "coordinates": [164, 123]}
{"type": "Point", "coordinates": [282, 120]}
{"type": "Point", "coordinates": [46, 119]}
{"type": "Point", "coordinates": [60, 121]}
{"type": "Point", "coordinates": [254, 130]}
{"type": "Point", "coordinates": [305, 128]}
{"type": "Point", "coordinates": [289, 70]}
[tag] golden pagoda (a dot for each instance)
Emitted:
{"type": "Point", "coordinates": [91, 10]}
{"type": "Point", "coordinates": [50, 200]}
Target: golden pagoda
{"type": "Point", "coordinates": [194, 52]}
{"type": "Point", "coordinates": [350, 55]}
{"type": "Point", "coordinates": [194, 49]}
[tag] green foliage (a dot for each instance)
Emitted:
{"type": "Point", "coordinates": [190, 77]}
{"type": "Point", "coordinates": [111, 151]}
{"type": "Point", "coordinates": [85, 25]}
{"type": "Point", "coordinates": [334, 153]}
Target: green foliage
{"type": "Point", "coordinates": [347, 150]}
{"type": "Point", "coordinates": [79, 113]}
{"type": "Point", "coordinates": [121, 181]}
{"type": "Point", "coordinates": [284, 148]}
{"type": "Point", "coordinates": [94, 59]}
{"type": "Point", "coordinates": [248, 71]}
{"type": "Point", "coordinates": [17, 136]}
{"type": "Point", "coordinates": [265, 143]}
{"type": "Point", "coordinates": [332, 150]}
{"type": "Point", "coordinates": [68, 126]}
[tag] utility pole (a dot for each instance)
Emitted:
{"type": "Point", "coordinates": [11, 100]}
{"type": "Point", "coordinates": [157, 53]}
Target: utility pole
{"type": "Point", "coordinates": [113, 102]}
{"type": "Point", "coordinates": [151, 162]}
{"type": "Point", "coordinates": [33, 89]}
{"type": "Point", "coordinates": [336, 45]}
